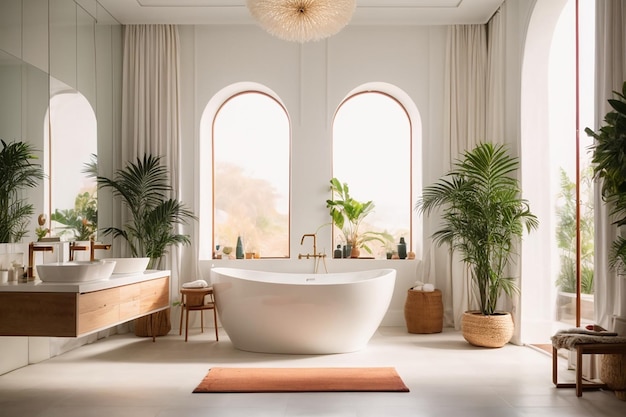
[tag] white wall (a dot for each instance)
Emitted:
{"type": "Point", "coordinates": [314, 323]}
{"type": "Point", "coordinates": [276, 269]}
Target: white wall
{"type": "Point", "coordinates": [74, 38]}
{"type": "Point", "coordinates": [312, 79]}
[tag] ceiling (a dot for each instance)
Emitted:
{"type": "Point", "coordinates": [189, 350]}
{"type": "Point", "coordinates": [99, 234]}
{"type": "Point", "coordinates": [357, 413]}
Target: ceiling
{"type": "Point", "coordinates": [368, 12]}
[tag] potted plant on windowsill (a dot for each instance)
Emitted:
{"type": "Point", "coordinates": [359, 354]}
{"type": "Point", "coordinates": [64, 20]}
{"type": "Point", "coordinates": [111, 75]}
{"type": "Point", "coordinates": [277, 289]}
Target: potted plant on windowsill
{"type": "Point", "coordinates": [348, 214]}
{"type": "Point", "coordinates": [17, 173]}
{"type": "Point", "coordinates": [483, 217]}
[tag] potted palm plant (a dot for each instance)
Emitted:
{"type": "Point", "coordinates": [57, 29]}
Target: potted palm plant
{"type": "Point", "coordinates": [143, 188]}
{"type": "Point", "coordinates": [348, 214]}
{"type": "Point", "coordinates": [17, 172]}
{"type": "Point", "coordinates": [609, 165]}
{"type": "Point", "coordinates": [483, 216]}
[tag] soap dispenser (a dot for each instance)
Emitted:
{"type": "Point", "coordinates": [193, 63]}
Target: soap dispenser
{"type": "Point", "coordinates": [239, 249]}
{"type": "Point", "coordinates": [338, 252]}
{"type": "Point", "coordinates": [402, 249]}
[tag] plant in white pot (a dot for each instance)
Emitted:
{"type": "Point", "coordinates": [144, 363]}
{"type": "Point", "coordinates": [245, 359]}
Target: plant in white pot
{"type": "Point", "coordinates": [483, 218]}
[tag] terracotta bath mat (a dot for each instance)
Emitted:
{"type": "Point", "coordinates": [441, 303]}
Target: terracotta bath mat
{"type": "Point", "coordinates": [301, 380]}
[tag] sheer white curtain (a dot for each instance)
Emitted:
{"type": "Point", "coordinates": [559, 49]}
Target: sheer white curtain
{"type": "Point", "coordinates": [150, 107]}
{"type": "Point", "coordinates": [474, 97]}
{"type": "Point", "coordinates": [496, 69]}
{"type": "Point", "coordinates": [610, 75]}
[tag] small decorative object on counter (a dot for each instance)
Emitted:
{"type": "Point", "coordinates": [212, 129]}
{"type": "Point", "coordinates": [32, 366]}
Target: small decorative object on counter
{"type": "Point", "coordinates": [239, 248]}
{"type": "Point", "coordinates": [347, 249]}
{"type": "Point", "coordinates": [338, 254]}
{"type": "Point", "coordinates": [402, 249]}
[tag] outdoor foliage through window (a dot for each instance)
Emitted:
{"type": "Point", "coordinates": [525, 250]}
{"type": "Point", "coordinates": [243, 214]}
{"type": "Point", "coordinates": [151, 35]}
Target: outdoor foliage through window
{"type": "Point", "coordinates": [251, 192]}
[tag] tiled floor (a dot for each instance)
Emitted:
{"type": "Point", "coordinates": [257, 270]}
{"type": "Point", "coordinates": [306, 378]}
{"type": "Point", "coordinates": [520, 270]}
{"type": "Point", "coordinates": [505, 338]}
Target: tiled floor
{"type": "Point", "coordinates": [133, 377]}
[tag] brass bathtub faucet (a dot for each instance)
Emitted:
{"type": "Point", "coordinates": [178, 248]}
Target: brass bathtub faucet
{"type": "Point", "coordinates": [308, 255]}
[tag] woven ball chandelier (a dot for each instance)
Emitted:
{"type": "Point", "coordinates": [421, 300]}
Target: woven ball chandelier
{"type": "Point", "coordinates": [302, 20]}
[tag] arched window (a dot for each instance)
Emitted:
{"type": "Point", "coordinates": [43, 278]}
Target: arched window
{"type": "Point", "coordinates": [251, 171]}
{"type": "Point", "coordinates": [373, 150]}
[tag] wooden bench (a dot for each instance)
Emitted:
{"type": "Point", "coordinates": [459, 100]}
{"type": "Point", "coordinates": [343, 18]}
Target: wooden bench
{"type": "Point", "coordinates": [585, 349]}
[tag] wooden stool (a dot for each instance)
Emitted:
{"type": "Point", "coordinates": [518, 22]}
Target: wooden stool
{"type": "Point", "coordinates": [585, 349]}
{"type": "Point", "coordinates": [423, 311]}
{"type": "Point", "coordinates": [193, 299]}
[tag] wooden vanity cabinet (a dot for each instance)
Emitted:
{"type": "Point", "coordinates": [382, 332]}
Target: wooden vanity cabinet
{"type": "Point", "coordinates": [73, 314]}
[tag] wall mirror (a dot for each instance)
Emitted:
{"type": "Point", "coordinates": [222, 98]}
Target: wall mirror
{"type": "Point", "coordinates": [11, 93]}
{"type": "Point", "coordinates": [72, 135]}
{"type": "Point", "coordinates": [63, 104]}
{"type": "Point", "coordinates": [24, 90]}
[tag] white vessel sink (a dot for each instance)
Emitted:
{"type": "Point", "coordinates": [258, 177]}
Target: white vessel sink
{"type": "Point", "coordinates": [75, 271]}
{"type": "Point", "coordinates": [129, 265]}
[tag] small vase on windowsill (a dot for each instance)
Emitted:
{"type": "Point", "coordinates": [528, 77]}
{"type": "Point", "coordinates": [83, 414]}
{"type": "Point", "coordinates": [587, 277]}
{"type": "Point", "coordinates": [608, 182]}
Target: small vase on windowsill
{"type": "Point", "coordinates": [355, 252]}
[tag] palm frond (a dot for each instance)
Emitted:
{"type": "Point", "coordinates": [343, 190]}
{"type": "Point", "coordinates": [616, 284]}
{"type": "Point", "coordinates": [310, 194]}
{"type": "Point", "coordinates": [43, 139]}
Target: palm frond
{"type": "Point", "coordinates": [18, 171]}
{"type": "Point", "coordinates": [143, 187]}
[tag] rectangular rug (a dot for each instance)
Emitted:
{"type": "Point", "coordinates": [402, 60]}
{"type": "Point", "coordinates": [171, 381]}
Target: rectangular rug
{"type": "Point", "coordinates": [301, 380]}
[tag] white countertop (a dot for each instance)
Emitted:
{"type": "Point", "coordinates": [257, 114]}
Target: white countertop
{"type": "Point", "coordinates": [116, 280]}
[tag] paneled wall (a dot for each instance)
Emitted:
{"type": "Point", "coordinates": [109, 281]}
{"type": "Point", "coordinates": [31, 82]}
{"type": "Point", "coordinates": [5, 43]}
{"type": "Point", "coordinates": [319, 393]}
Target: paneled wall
{"type": "Point", "coordinates": [43, 44]}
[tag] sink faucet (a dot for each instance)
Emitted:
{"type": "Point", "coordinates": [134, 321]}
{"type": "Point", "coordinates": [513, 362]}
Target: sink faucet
{"type": "Point", "coordinates": [95, 246]}
{"type": "Point", "coordinates": [74, 247]}
{"type": "Point", "coordinates": [31, 256]}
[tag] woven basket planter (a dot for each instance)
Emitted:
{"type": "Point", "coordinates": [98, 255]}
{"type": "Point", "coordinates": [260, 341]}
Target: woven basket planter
{"type": "Point", "coordinates": [423, 311]}
{"type": "Point", "coordinates": [162, 324]}
{"type": "Point", "coordinates": [487, 331]}
{"type": "Point", "coordinates": [613, 374]}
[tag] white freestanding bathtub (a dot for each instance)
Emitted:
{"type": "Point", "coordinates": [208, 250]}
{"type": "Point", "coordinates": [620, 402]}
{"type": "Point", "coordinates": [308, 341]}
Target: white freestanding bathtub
{"type": "Point", "coordinates": [301, 313]}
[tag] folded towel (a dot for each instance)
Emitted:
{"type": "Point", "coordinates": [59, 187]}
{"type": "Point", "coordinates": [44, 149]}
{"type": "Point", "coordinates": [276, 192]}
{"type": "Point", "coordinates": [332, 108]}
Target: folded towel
{"type": "Point", "coordinates": [570, 338]}
{"type": "Point", "coordinates": [200, 283]}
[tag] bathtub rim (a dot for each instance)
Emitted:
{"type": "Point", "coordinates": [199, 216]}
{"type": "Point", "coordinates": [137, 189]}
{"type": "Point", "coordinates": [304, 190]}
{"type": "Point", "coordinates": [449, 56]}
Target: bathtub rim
{"type": "Point", "coordinates": [377, 273]}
